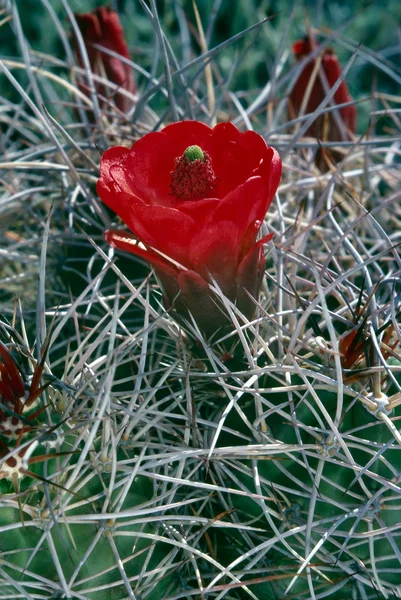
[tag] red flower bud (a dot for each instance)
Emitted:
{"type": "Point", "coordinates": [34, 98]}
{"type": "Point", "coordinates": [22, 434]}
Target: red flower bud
{"type": "Point", "coordinates": [195, 232]}
{"type": "Point", "coordinates": [325, 127]}
{"type": "Point", "coordinates": [103, 27]}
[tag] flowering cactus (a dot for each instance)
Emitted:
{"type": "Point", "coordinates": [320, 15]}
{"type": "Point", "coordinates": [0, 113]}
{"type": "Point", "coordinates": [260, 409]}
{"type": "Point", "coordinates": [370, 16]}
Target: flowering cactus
{"type": "Point", "coordinates": [195, 198]}
{"type": "Point", "coordinates": [325, 126]}
{"type": "Point", "coordinates": [103, 27]}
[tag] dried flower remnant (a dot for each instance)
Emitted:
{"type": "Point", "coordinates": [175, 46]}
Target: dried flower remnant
{"type": "Point", "coordinates": [195, 197]}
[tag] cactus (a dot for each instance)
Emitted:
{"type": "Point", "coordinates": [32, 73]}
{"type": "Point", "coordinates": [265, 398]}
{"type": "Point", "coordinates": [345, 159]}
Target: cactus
{"type": "Point", "coordinates": [138, 459]}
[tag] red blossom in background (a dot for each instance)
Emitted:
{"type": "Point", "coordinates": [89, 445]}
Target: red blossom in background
{"type": "Point", "coordinates": [103, 27]}
{"type": "Point", "coordinates": [325, 127]}
{"type": "Point", "coordinates": [195, 197]}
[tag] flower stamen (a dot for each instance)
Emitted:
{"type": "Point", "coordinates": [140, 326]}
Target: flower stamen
{"type": "Point", "coordinates": [193, 176]}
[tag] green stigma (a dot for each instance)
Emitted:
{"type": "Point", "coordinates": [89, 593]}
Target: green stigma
{"type": "Point", "coordinates": [194, 153]}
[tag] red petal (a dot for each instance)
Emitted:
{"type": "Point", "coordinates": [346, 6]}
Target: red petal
{"type": "Point", "coordinates": [215, 252]}
{"type": "Point", "coordinates": [128, 243]}
{"type": "Point", "coordinates": [244, 205]}
{"type": "Point", "coordinates": [232, 161]}
{"type": "Point", "coordinates": [121, 203]}
{"type": "Point", "coordinates": [238, 156]}
{"type": "Point", "coordinates": [254, 144]}
{"type": "Point", "coordinates": [188, 133]}
{"type": "Point", "coordinates": [275, 171]}
{"type": "Point", "coordinates": [167, 229]}
{"type": "Point", "coordinates": [223, 133]}
{"type": "Point", "coordinates": [199, 210]}
{"type": "Point", "coordinates": [111, 158]}
{"type": "Point", "coordinates": [150, 162]}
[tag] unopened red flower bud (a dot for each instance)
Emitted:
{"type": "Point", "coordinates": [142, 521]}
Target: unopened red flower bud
{"type": "Point", "coordinates": [103, 27]}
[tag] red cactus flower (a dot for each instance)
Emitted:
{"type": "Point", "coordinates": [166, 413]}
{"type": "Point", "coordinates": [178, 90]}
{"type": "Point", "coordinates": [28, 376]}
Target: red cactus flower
{"type": "Point", "coordinates": [325, 127]}
{"type": "Point", "coordinates": [195, 198]}
{"type": "Point", "coordinates": [103, 27]}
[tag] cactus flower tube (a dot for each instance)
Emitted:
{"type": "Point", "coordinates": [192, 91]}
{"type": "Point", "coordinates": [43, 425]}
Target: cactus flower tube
{"type": "Point", "coordinates": [195, 197]}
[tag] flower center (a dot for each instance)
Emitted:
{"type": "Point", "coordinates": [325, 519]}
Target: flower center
{"type": "Point", "coordinates": [193, 176]}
